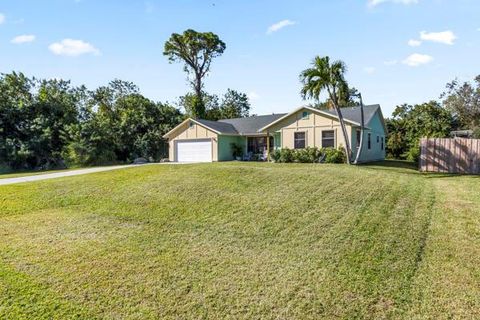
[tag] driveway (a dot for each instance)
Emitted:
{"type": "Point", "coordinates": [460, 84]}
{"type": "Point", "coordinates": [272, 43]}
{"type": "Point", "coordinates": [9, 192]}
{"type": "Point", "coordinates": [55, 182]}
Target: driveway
{"type": "Point", "coordinates": [62, 174]}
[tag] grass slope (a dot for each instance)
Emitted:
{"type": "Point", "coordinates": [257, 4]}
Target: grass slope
{"type": "Point", "coordinates": [242, 240]}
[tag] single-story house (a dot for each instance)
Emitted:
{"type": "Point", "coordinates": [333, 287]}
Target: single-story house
{"type": "Point", "coordinates": [197, 140]}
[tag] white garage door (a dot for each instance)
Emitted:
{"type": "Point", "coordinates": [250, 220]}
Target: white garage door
{"type": "Point", "coordinates": [194, 151]}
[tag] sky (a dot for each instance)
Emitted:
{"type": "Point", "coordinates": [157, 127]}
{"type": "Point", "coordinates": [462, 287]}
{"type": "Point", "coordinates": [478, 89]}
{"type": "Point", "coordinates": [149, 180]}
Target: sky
{"type": "Point", "coordinates": [396, 51]}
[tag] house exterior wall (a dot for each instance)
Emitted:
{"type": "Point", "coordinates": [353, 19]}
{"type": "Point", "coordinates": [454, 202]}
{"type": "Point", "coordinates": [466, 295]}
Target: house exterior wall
{"type": "Point", "coordinates": [225, 152]}
{"type": "Point", "coordinates": [192, 132]}
{"type": "Point", "coordinates": [313, 125]}
{"type": "Point", "coordinates": [376, 129]}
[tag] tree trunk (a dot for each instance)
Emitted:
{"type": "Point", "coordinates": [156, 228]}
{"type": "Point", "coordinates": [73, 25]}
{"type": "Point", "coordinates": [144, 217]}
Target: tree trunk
{"type": "Point", "coordinates": [348, 150]}
{"type": "Point", "coordinates": [199, 103]}
{"type": "Point", "coordinates": [362, 130]}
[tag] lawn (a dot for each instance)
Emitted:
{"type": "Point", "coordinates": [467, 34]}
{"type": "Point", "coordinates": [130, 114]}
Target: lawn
{"type": "Point", "coordinates": [242, 240]}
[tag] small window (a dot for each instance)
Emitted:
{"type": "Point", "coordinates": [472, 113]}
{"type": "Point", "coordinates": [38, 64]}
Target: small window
{"type": "Point", "coordinates": [378, 139]}
{"type": "Point", "coordinates": [328, 139]}
{"type": "Point", "coordinates": [191, 124]}
{"type": "Point", "coordinates": [299, 138]}
{"type": "Point", "coordinates": [383, 144]}
{"type": "Point", "coordinates": [369, 141]}
{"type": "Point", "coordinates": [358, 137]}
{"type": "Point", "coordinates": [305, 115]}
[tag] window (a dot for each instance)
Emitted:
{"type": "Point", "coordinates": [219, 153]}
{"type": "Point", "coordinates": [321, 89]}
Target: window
{"type": "Point", "coordinates": [369, 141]}
{"type": "Point", "coordinates": [191, 124]}
{"type": "Point", "coordinates": [328, 139]}
{"type": "Point", "coordinates": [358, 137]}
{"type": "Point", "coordinates": [299, 140]}
{"type": "Point", "coordinates": [382, 144]}
{"type": "Point", "coordinates": [305, 115]}
{"type": "Point", "coordinates": [378, 139]}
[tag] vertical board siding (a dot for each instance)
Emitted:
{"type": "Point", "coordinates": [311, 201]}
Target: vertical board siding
{"type": "Point", "coordinates": [457, 155]}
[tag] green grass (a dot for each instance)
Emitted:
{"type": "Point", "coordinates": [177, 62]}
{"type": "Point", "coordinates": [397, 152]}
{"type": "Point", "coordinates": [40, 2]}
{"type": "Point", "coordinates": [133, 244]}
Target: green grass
{"type": "Point", "coordinates": [242, 240]}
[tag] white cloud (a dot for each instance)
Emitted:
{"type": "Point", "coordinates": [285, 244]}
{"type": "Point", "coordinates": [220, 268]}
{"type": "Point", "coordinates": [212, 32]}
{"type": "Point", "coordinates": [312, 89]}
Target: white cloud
{"type": "Point", "coordinates": [417, 59]}
{"type": "Point", "coordinates": [369, 70]}
{"type": "Point", "coordinates": [24, 38]}
{"type": "Point", "coordinates": [280, 25]}
{"type": "Point", "coordinates": [2, 18]}
{"type": "Point", "coordinates": [374, 3]}
{"type": "Point", "coordinates": [390, 62]}
{"type": "Point", "coordinates": [73, 48]}
{"type": "Point", "coordinates": [414, 43]}
{"type": "Point", "coordinates": [445, 37]}
{"type": "Point", "coordinates": [253, 95]}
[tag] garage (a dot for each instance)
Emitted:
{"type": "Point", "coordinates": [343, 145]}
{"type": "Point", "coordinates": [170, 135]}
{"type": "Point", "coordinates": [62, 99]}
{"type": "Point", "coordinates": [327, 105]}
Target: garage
{"type": "Point", "coordinates": [194, 150]}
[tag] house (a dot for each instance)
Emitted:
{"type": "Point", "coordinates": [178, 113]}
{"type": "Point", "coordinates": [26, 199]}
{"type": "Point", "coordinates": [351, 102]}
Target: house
{"type": "Point", "coordinates": [197, 140]}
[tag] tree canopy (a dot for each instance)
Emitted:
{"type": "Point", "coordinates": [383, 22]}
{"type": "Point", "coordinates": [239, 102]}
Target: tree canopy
{"type": "Point", "coordinates": [409, 123]}
{"type": "Point", "coordinates": [50, 123]}
{"type": "Point", "coordinates": [196, 50]}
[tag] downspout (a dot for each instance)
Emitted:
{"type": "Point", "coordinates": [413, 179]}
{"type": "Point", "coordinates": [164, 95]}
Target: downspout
{"type": "Point", "coordinates": [362, 130]}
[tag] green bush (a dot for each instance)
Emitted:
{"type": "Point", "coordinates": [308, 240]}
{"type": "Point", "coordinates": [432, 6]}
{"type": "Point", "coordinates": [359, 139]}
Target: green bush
{"type": "Point", "coordinates": [334, 155]}
{"type": "Point", "coordinates": [284, 155]}
{"type": "Point", "coordinates": [308, 155]}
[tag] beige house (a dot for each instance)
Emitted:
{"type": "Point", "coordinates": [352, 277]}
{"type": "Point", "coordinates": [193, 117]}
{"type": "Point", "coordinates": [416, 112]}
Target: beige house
{"type": "Point", "coordinates": [197, 140]}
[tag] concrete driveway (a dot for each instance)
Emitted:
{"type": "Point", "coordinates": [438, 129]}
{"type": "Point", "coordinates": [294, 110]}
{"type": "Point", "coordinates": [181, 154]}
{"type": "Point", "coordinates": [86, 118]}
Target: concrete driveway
{"type": "Point", "coordinates": [66, 173]}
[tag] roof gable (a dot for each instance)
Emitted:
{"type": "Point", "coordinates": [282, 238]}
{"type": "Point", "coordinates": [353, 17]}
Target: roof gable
{"type": "Point", "coordinates": [251, 125]}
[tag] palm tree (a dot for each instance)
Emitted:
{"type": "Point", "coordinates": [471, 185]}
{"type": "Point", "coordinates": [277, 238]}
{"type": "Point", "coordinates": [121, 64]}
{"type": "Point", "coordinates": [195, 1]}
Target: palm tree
{"type": "Point", "coordinates": [325, 76]}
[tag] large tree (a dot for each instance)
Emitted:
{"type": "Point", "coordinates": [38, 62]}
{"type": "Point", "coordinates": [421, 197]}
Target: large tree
{"type": "Point", "coordinates": [233, 104]}
{"type": "Point", "coordinates": [327, 76]}
{"type": "Point", "coordinates": [196, 50]}
{"type": "Point", "coordinates": [409, 123]}
{"type": "Point", "coordinates": [463, 100]}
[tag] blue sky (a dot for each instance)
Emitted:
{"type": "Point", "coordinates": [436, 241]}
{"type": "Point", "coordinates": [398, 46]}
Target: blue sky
{"type": "Point", "coordinates": [397, 51]}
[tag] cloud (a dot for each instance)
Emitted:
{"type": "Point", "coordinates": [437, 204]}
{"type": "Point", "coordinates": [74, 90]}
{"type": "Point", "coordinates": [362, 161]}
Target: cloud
{"type": "Point", "coordinates": [2, 18]}
{"type": "Point", "coordinates": [24, 38]}
{"type": "Point", "coordinates": [390, 62]}
{"type": "Point", "coordinates": [374, 3]}
{"type": "Point", "coordinates": [73, 48]}
{"type": "Point", "coordinates": [369, 70]}
{"type": "Point", "coordinates": [280, 25]}
{"type": "Point", "coordinates": [414, 43]}
{"type": "Point", "coordinates": [445, 37]}
{"type": "Point", "coordinates": [253, 95]}
{"type": "Point", "coordinates": [417, 59]}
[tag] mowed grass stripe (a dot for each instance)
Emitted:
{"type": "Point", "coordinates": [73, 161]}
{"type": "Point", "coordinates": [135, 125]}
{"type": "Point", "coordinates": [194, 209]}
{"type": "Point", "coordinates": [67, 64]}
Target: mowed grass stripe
{"type": "Point", "coordinates": [227, 240]}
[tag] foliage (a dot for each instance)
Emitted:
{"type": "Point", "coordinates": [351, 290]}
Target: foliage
{"type": "Point", "coordinates": [410, 123]}
{"type": "Point", "coordinates": [233, 104]}
{"type": "Point", "coordinates": [348, 98]}
{"type": "Point", "coordinates": [237, 150]}
{"type": "Point", "coordinates": [463, 101]}
{"type": "Point", "coordinates": [44, 122]}
{"type": "Point", "coordinates": [196, 50]}
{"type": "Point", "coordinates": [333, 155]}
{"type": "Point", "coordinates": [326, 76]}
{"type": "Point", "coordinates": [308, 155]}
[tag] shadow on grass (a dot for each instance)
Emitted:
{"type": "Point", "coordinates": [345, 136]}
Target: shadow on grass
{"type": "Point", "coordinates": [409, 167]}
{"type": "Point", "coordinates": [399, 166]}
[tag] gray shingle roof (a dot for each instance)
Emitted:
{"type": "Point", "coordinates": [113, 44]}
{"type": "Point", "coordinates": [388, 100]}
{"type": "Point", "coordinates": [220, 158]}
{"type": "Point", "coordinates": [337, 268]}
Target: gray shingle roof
{"type": "Point", "coordinates": [353, 113]}
{"type": "Point", "coordinates": [251, 125]}
{"type": "Point", "coordinates": [221, 127]}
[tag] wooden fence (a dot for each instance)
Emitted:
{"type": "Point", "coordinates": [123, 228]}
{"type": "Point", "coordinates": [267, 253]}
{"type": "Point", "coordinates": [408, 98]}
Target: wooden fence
{"type": "Point", "coordinates": [456, 155]}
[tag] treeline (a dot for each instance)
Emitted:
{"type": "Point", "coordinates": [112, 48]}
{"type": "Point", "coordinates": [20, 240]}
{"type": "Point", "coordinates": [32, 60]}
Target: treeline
{"type": "Point", "coordinates": [47, 124]}
{"type": "Point", "coordinates": [50, 123]}
{"type": "Point", "coordinates": [458, 109]}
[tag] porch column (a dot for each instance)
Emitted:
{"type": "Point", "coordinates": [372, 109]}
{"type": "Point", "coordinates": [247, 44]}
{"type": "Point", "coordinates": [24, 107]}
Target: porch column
{"type": "Point", "coordinates": [268, 146]}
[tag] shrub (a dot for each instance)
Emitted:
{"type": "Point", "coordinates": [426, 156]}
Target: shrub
{"type": "Point", "coordinates": [334, 155]}
{"type": "Point", "coordinates": [284, 155]}
{"type": "Point", "coordinates": [307, 155]}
